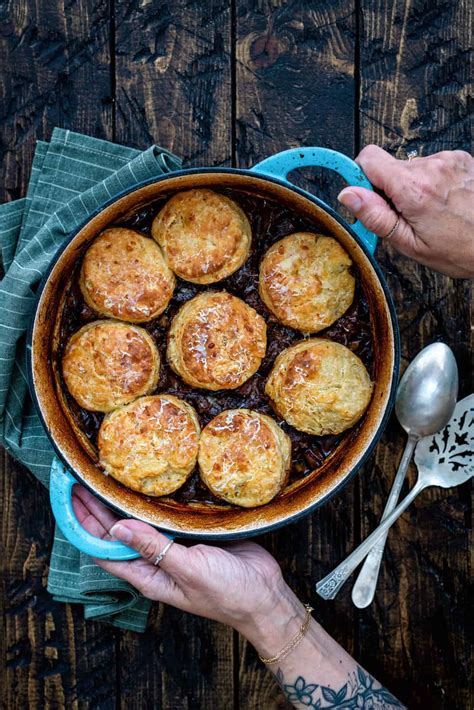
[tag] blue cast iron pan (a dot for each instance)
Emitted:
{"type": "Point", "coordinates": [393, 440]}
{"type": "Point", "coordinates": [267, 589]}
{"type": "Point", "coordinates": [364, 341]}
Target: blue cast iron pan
{"type": "Point", "coordinates": [274, 170]}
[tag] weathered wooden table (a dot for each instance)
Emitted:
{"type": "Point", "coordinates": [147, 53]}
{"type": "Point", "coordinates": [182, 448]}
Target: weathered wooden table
{"type": "Point", "coordinates": [226, 82]}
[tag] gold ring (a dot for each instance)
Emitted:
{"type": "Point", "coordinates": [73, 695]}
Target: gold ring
{"type": "Point", "coordinates": [160, 557]}
{"type": "Point", "coordinates": [393, 230]}
{"type": "Point", "coordinates": [411, 155]}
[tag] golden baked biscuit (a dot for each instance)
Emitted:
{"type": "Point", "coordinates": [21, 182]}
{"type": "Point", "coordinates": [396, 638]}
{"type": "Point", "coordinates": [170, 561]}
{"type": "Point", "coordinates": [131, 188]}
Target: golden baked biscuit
{"type": "Point", "coordinates": [108, 363]}
{"type": "Point", "coordinates": [244, 457]}
{"type": "Point", "coordinates": [305, 281]}
{"type": "Point", "coordinates": [204, 235]}
{"type": "Point", "coordinates": [150, 445]}
{"type": "Point", "coordinates": [125, 276]}
{"type": "Point", "coordinates": [319, 386]}
{"type": "Point", "coordinates": [216, 341]}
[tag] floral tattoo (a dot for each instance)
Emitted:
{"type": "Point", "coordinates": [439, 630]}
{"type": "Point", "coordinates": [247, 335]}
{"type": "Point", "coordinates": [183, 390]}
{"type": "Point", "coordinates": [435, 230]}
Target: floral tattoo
{"type": "Point", "coordinates": [359, 693]}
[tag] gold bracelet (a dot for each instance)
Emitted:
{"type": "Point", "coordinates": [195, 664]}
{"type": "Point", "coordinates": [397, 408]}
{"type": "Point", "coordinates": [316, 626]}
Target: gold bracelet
{"type": "Point", "coordinates": [294, 642]}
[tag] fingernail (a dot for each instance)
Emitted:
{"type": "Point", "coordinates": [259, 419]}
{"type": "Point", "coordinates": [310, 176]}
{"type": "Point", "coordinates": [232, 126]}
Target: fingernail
{"type": "Point", "coordinates": [120, 532]}
{"type": "Point", "coordinates": [350, 200]}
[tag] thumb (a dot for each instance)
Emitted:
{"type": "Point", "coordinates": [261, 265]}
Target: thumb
{"type": "Point", "coordinates": [377, 215]}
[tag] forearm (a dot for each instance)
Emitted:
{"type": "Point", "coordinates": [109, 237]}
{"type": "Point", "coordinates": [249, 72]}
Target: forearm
{"type": "Point", "coordinates": [317, 669]}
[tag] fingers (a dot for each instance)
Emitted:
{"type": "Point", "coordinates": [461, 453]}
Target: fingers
{"type": "Point", "coordinates": [154, 582]}
{"type": "Point", "coordinates": [370, 208]}
{"type": "Point", "coordinates": [143, 538]}
{"type": "Point", "coordinates": [383, 170]}
{"type": "Point", "coordinates": [86, 519]}
{"type": "Point", "coordinates": [91, 514]}
{"type": "Point", "coordinates": [150, 543]}
{"type": "Point", "coordinates": [104, 516]}
{"type": "Point", "coordinates": [377, 215]}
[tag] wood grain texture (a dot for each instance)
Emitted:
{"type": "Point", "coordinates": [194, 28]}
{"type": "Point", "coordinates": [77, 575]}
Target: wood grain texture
{"type": "Point", "coordinates": [295, 82]}
{"type": "Point", "coordinates": [180, 662]}
{"type": "Point", "coordinates": [55, 71]}
{"type": "Point", "coordinates": [173, 78]}
{"type": "Point", "coordinates": [221, 82]}
{"type": "Point", "coordinates": [173, 87]}
{"type": "Point", "coordinates": [413, 81]}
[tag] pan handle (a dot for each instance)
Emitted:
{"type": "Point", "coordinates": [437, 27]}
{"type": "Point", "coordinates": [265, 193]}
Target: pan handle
{"type": "Point", "coordinates": [60, 491]}
{"type": "Point", "coordinates": [281, 164]}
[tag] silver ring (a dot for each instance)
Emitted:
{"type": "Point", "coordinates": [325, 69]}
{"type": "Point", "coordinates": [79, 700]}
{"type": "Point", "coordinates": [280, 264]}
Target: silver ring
{"type": "Point", "coordinates": [411, 155]}
{"type": "Point", "coordinates": [163, 553]}
{"type": "Point", "coordinates": [393, 230]}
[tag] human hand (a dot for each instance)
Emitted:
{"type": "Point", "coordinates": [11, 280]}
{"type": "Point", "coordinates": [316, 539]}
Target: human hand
{"type": "Point", "coordinates": [434, 197]}
{"type": "Point", "coordinates": [240, 585]}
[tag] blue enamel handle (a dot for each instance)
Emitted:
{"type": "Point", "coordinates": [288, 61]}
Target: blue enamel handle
{"type": "Point", "coordinates": [281, 164]}
{"type": "Point", "coordinates": [60, 491]}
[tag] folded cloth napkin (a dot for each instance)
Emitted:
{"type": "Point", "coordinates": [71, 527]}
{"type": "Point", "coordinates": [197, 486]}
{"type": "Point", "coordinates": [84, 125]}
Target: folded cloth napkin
{"type": "Point", "coordinates": [71, 177]}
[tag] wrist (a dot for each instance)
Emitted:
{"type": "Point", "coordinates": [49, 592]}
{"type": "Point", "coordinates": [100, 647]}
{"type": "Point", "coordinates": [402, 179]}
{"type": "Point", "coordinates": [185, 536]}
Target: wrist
{"type": "Point", "coordinates": [270, 628]}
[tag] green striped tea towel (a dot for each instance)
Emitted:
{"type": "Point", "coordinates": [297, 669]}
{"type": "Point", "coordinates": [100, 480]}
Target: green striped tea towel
{"type": "Point", "coordinates": [71, 176]}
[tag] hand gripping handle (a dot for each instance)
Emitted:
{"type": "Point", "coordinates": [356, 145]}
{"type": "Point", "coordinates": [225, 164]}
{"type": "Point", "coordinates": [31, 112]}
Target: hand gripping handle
{"type": "Point", "coordinates": [281, 164]}
{"type": "Point", "coordinates": [60, 491]}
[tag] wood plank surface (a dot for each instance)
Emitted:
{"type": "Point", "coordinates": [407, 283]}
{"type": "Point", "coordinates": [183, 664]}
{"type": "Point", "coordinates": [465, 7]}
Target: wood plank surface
{"type": "Point", "coordinates": [55, 71]}
{"type": "Point", "coordinates": [173, 78]}
{"type": "Point", "coordinates": [222, 82]}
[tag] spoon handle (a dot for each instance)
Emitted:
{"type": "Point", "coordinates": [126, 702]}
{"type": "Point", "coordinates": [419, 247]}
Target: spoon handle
{"type": "Point", "coordinates": [364, 588]}
{"type": "Point", "coordinates": [330, 585]}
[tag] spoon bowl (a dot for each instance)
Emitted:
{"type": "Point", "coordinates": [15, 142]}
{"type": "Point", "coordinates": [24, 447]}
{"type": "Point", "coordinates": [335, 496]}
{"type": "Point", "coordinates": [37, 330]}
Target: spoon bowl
{"type": "Point", "coordinates": [427, 392]}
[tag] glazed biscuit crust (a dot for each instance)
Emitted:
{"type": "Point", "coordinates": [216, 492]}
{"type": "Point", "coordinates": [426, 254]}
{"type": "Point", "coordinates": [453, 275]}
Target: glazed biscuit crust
{"type": "Point", "coordinates": [216, 341]}
{"type": "Point", "coordinates": [125, 276]}
{"type": "Point", "coordinates": [305, 281]}
{"type": "Point", "coordinates": [204, 235]}
{"type": "Point", "coordinates": [319, 386]}
{"type": "Point", "coordinates": [108, 363]}
{"type": "Point", "coordinates": [150, 445]}
{"type": "Point", "coordinates": [244, 457]}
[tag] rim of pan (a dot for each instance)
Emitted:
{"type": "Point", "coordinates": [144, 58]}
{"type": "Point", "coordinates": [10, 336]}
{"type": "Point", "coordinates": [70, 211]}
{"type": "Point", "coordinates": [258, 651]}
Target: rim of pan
{"type": "Point", "coordinates": [306, 510]}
